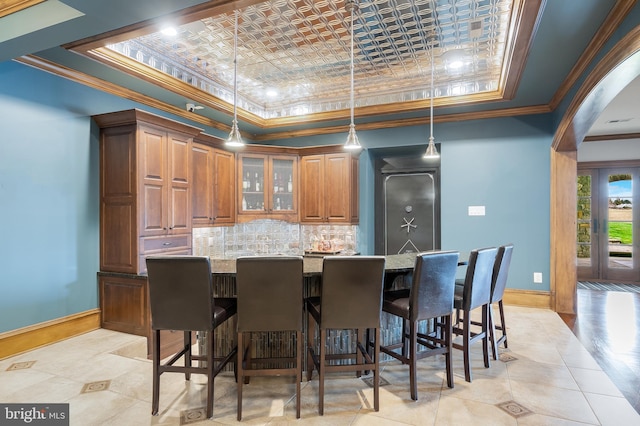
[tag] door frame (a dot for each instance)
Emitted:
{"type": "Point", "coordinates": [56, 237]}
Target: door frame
{"type": "Point", "coordinates": [613, 72]}
{"type": "Point", "coordinates": [599, 190]}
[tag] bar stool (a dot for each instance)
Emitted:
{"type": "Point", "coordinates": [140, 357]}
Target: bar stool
{"type": "Point", "coordinates": [181, 298]}
{"type": "Point", "coordinates": [430, 297]}
{"type": "Point", "coordinates": [350, 298]}
{"type": "Point", "coordinates": [269, 300]}
{"type": "Point", "coordinates": [475, 293]}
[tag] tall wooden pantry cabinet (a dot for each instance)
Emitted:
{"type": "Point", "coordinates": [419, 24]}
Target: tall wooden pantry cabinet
{"type": "Point", "coordinates": [145, 208]}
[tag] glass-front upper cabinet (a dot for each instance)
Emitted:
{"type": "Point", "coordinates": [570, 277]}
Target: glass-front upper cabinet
{"type": "Point", "coordinates": [268, 187]}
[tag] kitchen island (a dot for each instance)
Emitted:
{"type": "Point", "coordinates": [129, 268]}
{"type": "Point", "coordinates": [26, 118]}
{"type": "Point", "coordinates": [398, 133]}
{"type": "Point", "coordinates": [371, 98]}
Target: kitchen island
{"type": "Point", "coordinates": [125, 307]}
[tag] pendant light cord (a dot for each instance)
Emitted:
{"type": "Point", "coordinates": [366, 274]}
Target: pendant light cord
{"type": "Point", "coordinates": [352, 97]}
{"type": "Point", "coordinates": [432, 94]}
{"type": "Point", "coordinates": [235, 67]}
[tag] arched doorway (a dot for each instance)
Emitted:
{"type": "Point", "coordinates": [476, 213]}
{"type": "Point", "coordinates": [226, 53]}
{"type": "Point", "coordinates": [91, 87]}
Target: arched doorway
{"type": "Point", "coordinates": [612, 74]}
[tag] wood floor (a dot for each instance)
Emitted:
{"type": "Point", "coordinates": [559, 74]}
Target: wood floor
{"type": "Point", "coordinates": [608, 325]}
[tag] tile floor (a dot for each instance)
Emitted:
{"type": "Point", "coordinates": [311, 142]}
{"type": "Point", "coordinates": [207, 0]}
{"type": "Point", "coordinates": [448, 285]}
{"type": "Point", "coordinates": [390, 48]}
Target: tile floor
{"type": "Point", "coordinates": [546, 377]}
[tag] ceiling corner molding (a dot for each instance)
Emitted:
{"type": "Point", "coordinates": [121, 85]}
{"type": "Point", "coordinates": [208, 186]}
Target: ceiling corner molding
{"type": "Point", "coordinates": [407, 122]}
{"type": "Point", "coordinates": [113, 89]}
{"type": "Point", "coordinates": [174, 85]}
{"type": "Point", "coordinates": [108, 87]}
{"type": "Point", "coordinates": [7, 7]}
{"type": "Point", "coordinates": [611, 23]}
{"type": "Point", "coordinates": [527, 17]}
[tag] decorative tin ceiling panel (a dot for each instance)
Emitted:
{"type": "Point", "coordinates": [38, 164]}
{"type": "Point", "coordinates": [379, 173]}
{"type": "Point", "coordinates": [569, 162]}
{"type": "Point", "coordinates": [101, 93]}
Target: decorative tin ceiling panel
{"type": "Point", "coordinates": [294, 55]}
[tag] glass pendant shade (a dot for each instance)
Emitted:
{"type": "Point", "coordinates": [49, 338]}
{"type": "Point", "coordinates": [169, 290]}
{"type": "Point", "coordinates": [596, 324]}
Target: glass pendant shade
{"type": "Point", "coordinates": [235, 139]}
{"type": "Point", "coordinates": [352, 143]}
{"type": "Point", "coordinates": [431, 151]}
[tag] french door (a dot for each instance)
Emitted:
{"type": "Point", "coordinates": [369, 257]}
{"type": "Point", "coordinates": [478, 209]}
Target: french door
{"type": "Point", "coordinates": [608, 224]}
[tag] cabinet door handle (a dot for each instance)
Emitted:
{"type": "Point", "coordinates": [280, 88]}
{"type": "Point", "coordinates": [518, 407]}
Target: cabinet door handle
{"type": "Point", "coordinates": [166, 244]}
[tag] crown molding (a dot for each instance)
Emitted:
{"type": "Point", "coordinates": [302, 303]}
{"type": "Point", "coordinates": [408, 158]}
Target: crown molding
{"type": "Point", "coordinates": [7, 7]}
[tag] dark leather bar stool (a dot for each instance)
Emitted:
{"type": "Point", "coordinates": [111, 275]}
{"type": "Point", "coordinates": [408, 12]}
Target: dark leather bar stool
{"type": "Point", "coordinates": [475, 293]}
{"type": "Point", "coordinates": [181, 298]}
{"type": "Point", "coordinates": [430, 297]}
{"type": "Point", "coordinates": [350, 298]}
{"type": "Point", "coordinates": [498, 284]}
{"type": "Point", "coordinates": [269, 300]}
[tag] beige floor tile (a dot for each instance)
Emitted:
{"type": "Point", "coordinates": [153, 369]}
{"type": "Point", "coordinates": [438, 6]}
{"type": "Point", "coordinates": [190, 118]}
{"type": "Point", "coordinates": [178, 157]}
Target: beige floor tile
{"type": "Point", "coordinates": [396, 405]}
{"type": "Point", "coordinates": [42, 390]}
{"type": "Point", "coordinates": [455, 411]}
{"type": "Point", "coordinates": [559, 382]}
{"type": "Point", "coordinates": [613, 411]}
{"type": "Point", "coordinates": [580, 359]}
{"type": "Point", "coordinates": [595, 381]}
{"type": "Point", "coordinates": [94, 409]}
{"type": "Point", "coordinates": [526, 370]}
{"type": "Point", "coordinates": [541, 420]}
{"type": "Point", "coordinates": [486, 389]}
{"type": "Point", "coordinates": [17, 380]}
{"type": "Point", "coordinates": [554, 402]}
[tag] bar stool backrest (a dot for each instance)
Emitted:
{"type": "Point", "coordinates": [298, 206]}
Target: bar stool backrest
{"type": "Point", "coordinates": [500, 272]}
{"type": "Point", "coordinates": [433, 284]}
{"type": "Point", "coordinates": [180, 293]}
{"type": "Point", "coordinates": [351, 295]}
{"type": "Point", "coordinates": [477, 283]}
{"type": "Point", "coordinates": [269, 293]}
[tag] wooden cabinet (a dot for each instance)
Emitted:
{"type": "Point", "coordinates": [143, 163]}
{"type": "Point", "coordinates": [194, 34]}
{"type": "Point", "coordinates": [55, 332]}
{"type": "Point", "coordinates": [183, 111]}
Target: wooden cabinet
{"type": "Point", "coordinates": [329, 188]}
{"type": "Point", "coordinates": [267, 187]}
{"type": "Point", "coordinates": [123, 303]}
{"type": "Point", "coordinates": [124, 307]}
{"type": "Point", "coordinates": [213, 186]}
{"type": "Point", "coordinates": [145, 192]}
{"type": "Point", "coordinates": [164, 174]}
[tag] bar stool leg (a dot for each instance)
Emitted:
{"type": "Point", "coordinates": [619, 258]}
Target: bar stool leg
{"type": "Point", "coordinates": [321, 371]}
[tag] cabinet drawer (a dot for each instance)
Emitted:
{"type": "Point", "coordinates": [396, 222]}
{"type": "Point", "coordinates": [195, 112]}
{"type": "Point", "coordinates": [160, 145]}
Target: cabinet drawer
{"type": "Point", "coordinates": [164, 243]}
{"type": "Point", "coordinates": [183, 251]}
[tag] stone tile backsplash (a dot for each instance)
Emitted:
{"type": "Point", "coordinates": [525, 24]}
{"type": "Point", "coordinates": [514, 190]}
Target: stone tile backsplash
{"type": "Point", "coordinates": [262, 237]}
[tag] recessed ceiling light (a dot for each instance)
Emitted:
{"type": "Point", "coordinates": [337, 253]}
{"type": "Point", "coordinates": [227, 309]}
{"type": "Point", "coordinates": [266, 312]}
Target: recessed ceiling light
{"type": "Point", "coordinates": [169, 31]}
{"type": "Point", "coordinates": [272, 93]}
{"type": "Point", "coordinates": [620, 120]}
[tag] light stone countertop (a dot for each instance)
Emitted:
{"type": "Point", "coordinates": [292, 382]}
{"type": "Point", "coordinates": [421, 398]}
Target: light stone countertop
{"type": "Point", "coordinates": [312, 266]}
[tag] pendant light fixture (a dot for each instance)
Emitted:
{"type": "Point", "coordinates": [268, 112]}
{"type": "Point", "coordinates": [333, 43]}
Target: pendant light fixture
{"type": "Point", "coordinates": [352, 142]}
{"type": "Point", "coordinates": [235, 139]}
{"type": "Point", "coordinates": [431, 152]}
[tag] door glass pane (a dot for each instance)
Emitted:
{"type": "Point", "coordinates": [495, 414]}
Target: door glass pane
{"type": "Point", "coordinates": [620, 221]}
{"type": "Point", "coordinates": [252, 184]}
{"type": "Point", "coordinates": [282, 184]}
{"type": "Point", "coordinates": [584, 221]}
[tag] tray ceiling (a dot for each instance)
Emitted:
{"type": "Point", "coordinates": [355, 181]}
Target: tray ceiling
{"type": "Point", "coordinates": [294, 55]}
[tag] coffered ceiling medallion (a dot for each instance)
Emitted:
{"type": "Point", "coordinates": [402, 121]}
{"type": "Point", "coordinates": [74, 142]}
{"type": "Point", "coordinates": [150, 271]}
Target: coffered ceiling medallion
{"type": "Point", "coordinates": [295, 56]}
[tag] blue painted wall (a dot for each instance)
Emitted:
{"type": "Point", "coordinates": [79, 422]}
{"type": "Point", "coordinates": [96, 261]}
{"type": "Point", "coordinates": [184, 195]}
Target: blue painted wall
{"type": "Point", "coordinates": [49, 189]}
{"type": "Point", "coordinates": [502, 164]}
{"type": "Point", "coordinates": [48, 202]}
